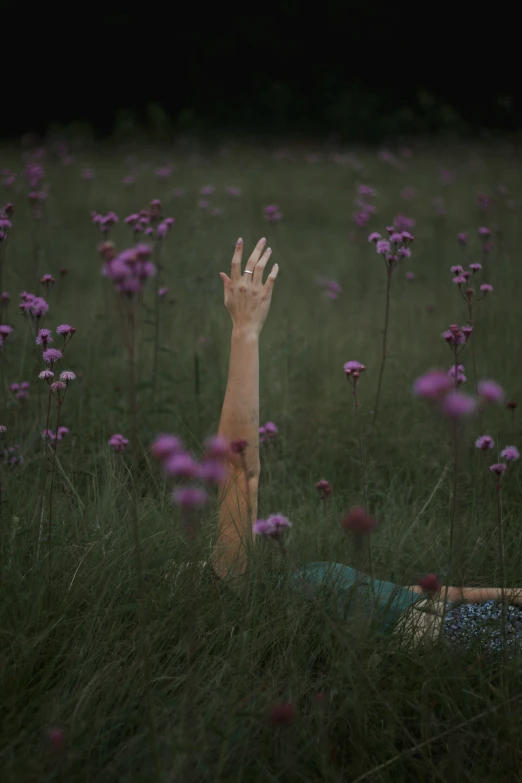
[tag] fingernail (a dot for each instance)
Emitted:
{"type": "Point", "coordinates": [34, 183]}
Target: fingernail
{"type": "Point", "coordinates": [263, 240]}
{"type": "Point", "coordinates": [239, 241]}
{"type": "Point", "coordinates": [269, 250]}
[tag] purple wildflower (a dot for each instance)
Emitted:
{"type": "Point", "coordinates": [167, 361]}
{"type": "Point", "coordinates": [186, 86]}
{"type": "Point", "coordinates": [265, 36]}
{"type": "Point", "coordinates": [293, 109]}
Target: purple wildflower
{"type": "Point", "coordinates": [44, 337]}
{"type": "Point", "coordinates": [510, 453]}
{"type": "Point", "coordinates": [457, 404]}
{"type": "Point", "coordinates": [324, 489]}
{"type": "Point", "coordinates": [484, 442]}
{"type": "Point", "coordinates": [52, 355]}
{"type": "Point", "coordinates": [354, 368]}
{"type": "Point", "coordinates": [118, 442]}
{"type": "Point", "coordinates": [190, 497]}
{"type": "Point", "coordinates": [182, 465]}
{"type": "Point", "coordinates": [271, 429]}
{"type": "Point", "coordinates": [212, 471]}
{"type": "Point", "coordinates": [165, 446]}
{"type": "Point", "coordinates": [217, 447]}
{"type": "Point", "coordinates": [490, 391]}
{"type": "Point", "coordinates": [432, 385]}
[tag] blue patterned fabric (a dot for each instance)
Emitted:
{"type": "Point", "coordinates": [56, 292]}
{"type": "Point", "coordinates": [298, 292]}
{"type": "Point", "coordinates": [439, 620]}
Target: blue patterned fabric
{"type": "Point", "coordinates": [349, 587]}
{"type": "Point", "coordinates": [472, 624]}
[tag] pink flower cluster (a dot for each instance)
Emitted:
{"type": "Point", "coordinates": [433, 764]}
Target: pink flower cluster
{"type": "Point", "coordinates": [11, 454]}
{"type": "Point", "coordinates": [8, 178]}
{"type": "Point", "coordinates": [130, 269]}
{"type": "Point", "coordinates": [457, 335]}
{"type": "Point", "coordinates": [268, 431]}
{"type": "Point", "coordinates": [181, 466]}
{"type": "Point", "coordinates": [33, 306]}
{"type": "Point", "coordinates": [331, 288]}
{"type": "Point", "coordinates": [462, 276]}
{"type": "Point", "coordinates": [57, 436]}
{"type": "Point", "coordinates": [403, 223]}
{"type": "Point", "coordinates": [365, 207]}
{"type": "Point", "coordinates": [324, 489]}
{"type": "Point", "coordinates": [509, 454]}
{"type": "Point", "coordinates": [47, 281]}
{"type": "Point", "coordinates": [273, 213]}
{"type": "Point", "coordinates": [118, 442]}
{"type": "Point", "coordinates": [353, 370]}
{"type": "Point", "coordinates": [273, 527]}
{"type": "Point", "coordinates": [20, 390]}
{"type": "Point", "coordinates": [395, 248]}
{"type": "Point", "coordinates": [164, 172]}
{"type": "Point", "coordinates": [5, 222]}
{"type": "Point", "coordinates": [34, 173]}
{"type": "Point", "coordinates": [150, 221]}
{"type": "Point", "coordinates": [5, 331]}
{"type": "Point", "coordinates": [439, 387]}
{"type": "Point", "coordinates": [457, 374]}
{"type": "Point", "coordinates": [105, 222]}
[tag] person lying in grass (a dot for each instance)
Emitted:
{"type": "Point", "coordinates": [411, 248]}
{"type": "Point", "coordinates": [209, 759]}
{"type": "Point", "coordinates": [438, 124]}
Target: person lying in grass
{"type": "Point", "coordinates": [247, 299]}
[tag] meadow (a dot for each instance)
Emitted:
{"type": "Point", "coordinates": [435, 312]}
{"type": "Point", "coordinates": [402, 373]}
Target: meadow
{"type": "Point", "coordinates": [115, 665]}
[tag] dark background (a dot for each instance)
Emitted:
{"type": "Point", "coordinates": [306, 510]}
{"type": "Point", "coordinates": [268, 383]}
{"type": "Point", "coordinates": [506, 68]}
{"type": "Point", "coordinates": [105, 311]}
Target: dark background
{"type": "Point", "coordinates": [366, 72]}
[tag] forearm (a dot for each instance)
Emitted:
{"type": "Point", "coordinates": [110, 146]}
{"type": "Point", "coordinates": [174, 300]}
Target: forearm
{"type": "Point", "coordinates": [239, 421]}
{"type": "Point", "coordinates": [240, 413]}
{"type": "Point", "coordinates": [476, 595]}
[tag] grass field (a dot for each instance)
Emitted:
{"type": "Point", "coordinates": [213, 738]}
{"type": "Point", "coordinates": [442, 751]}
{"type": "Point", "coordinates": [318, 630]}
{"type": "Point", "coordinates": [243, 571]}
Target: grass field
{"type": "Point", "coordinates": [75, 703]}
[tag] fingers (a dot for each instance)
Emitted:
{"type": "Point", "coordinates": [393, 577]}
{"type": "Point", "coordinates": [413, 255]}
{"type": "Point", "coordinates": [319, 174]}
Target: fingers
{"type": "Point", "coordinates": [236, 260]}
{"type": "Point", "coordinates": [271, 277]}
{"type": "Point", "coordinates": [257, 277]}
{"type": "Point", "coordinates": [256, 254]}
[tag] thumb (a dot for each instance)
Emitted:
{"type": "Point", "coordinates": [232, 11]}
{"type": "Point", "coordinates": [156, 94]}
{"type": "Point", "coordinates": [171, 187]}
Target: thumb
{"type": "Point", "coordinates": [225, 278]}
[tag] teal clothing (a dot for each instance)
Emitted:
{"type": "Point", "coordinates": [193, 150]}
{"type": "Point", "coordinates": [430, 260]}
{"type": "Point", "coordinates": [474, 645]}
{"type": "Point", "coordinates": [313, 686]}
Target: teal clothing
{"type": "Point", "coordinates": [388, 600]}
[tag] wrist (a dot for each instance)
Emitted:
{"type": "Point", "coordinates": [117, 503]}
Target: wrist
{"type": "Point", "coordinates": [245, 333]}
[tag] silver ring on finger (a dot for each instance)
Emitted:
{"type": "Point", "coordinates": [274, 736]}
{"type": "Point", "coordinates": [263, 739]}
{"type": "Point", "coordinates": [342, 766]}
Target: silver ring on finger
{"type": "Point", "coordinates": [248, 272]}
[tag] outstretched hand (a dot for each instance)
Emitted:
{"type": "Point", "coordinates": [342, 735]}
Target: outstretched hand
{"type": "Point", "coordinates": [247, 298]}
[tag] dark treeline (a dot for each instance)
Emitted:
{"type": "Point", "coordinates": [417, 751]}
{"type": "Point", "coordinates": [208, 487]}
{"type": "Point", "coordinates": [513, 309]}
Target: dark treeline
{"type": "Point", "coordinates": [366, 72]}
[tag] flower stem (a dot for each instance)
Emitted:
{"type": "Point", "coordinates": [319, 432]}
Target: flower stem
{"type": "Point", "coordinates": [157, 317]}
{"type": "Point", "coordinates": [452, 521]}
{"type": "Point", "coordinates": [51, 487]}
{"type": "Point", "coordinates": [131, 335]}
{"type": "Point", "coordinates": [475, 376]}
{"type": "Point", "coordinates": [384, 343]}
{"type": "Point", "coordinates": [363, 472]}
{"type": "Point", "coordinates": [502, 569]}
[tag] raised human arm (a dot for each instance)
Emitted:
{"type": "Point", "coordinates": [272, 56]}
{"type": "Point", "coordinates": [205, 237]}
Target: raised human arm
{"type": "Point", "coordinates": [247, 300]}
